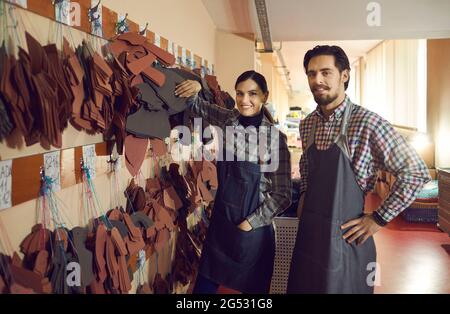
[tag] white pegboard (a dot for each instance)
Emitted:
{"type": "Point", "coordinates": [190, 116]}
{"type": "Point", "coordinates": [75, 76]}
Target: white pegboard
{"type": "Point", "coordinates": [285, 235]}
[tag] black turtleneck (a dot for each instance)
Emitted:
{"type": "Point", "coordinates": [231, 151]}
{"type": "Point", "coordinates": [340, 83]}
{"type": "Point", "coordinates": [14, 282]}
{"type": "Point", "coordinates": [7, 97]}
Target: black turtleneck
{"type": "Point", "coordinates": [253, 120]}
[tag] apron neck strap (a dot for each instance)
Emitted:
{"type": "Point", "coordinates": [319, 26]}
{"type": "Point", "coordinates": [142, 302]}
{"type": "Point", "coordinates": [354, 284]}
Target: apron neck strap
{"type": "Point", "coordinates": [344, 125]}
{"type": "Point", "coordinates": [312, 134]}
{"type": "Point", "coordinates": [346, 118]}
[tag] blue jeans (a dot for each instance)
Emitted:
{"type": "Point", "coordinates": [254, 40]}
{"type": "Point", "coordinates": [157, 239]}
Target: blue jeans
{"type": "Point", "coordinates": [204, 286]}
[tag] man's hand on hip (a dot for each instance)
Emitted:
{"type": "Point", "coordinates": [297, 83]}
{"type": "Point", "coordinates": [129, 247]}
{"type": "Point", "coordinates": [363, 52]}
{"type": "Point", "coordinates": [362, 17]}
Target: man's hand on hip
{"type": "Point", "coordinates": [362, 229]}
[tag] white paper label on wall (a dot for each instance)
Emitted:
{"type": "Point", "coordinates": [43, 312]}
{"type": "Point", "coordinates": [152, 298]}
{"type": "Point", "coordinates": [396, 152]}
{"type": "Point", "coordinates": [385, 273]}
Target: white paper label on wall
{"type": "Point", "coordinates": [62, 12]}
{"type": "Point", "coordinates": [203, 67]}
{"type": "Point", "coordinates": [22, 3]}
{"type": "Point", "coordinates": [170, 47]}
{"type": "Point", "coordinates": [193, 64]}
{"type": "Point", "coordinates": [175, 54]}
{"type": "Point", "coordinates": [52, 167]}
{"type": "Point", "coordinates": [5, 184]}
{"type": "Point", "coordinates": [142, 28]}
{"type": "Point", "coordinates": [90, 158]}
{"type": "Point", "coordinates": [157, 40]}
{"type": "Point", "coordinates": [96, 23]}
{"type": "Point", "coordinates": [183, 56]}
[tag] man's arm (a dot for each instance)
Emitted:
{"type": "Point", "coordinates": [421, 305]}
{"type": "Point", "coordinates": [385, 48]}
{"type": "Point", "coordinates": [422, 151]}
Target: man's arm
{"type": "Point", "coordinates": [393, 154]}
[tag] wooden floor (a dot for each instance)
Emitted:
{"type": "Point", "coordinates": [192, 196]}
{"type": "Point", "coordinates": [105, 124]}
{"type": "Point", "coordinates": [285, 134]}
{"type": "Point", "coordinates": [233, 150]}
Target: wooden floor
{"type": "Point", "coordinates": [413, 257]}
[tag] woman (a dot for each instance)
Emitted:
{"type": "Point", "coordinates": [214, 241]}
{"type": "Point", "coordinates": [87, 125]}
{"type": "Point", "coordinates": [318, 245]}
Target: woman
{"type": "Point", "coordinates": [239, 249]}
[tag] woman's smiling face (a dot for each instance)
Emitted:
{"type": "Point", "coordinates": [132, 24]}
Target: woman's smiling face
{"type": "Point", "coordinates": [249, 98]}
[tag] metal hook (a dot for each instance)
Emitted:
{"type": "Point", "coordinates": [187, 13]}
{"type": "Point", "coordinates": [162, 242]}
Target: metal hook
{"type": "Point", "coordinates": [122, 26]}
{"type": "Point", "coordinates": [93, 14]}
{"type": "Point", "coordinates": [124, 19]}
{"type": "Point", "coordinates": [56, 2]}
{"type": "Point", "coordinates": [144, 30]}
{"type": "Point", "coordinates": [42, 173]}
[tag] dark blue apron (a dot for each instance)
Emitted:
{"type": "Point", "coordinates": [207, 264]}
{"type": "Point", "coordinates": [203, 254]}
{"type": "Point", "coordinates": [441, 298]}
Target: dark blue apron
{"type": "Point", "coordinates": [322, 261]}
{"type": "Point", "coordinates": [232, 257]}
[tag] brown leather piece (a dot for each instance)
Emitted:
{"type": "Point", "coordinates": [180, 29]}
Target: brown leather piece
{"type": "Point", "coordinates": [46, 89]}
{"type": "Point", "coordinates": [36, 241]}
{"type": "Point", "coordinates": [135, 39]}
{"type": "Point", "coordinates": [114, 214]}
{"type": "Point", "coordinates": [100, 247]}
{"type": "Point", "coordinates": [41, 263]}
{"type": "Point", "coordinates": [75, 75]}
{"type": "Point", "coordinates": [112, 263]}
{"type": "Point", "coordinates": [152, 185]}
{"type": "Point", "coordinates": [171, 199]}
{"type": "Point", "coordinates": [154, 75]}
{"type": "Point", "coordinates": [124, 278]}
{"type": "Point", "coordinates": [11, 95]}
{"type": "Point", "coordinates": [136, 199]}
{"type": "Point", "coordinates": [135, 151]}
{"type": "Point", "coordinates": [162, 238]}
{"type": "Point", "coordinates": [28, 278]}
{"type": "Point", "coordinates": [163, 215]}
{"type": "Point", "coordinates": [60, 234]}
{"type": "Point", "coordinates": [15, 288]}
{"type": "Point", "coordinates": [118, 242]}
{"type": "Point", "coordinates": [160, 285]}
{"type": "Point", "coordinates": [3, 286]}
{"type": "Point", "coordinates": [134, 246]}
{"type": "Point", "coordinates": [133, 231]}
{"type": "Point", "coordinates": [144, 289]}
{"type": "Point", "coordinates": [158, 147]}
{"type": "Point", "coordinates": [204, 192]}
{"type": "Point", "coordinates": [97, 287]}
{"type": "Point", "coordinates": [209, 174]}
{"type": "Point", "coordinates": [20, 80]}
{"type": "Point", "coordinates": [64, 93]}
{"type": "Point", "coordinates": [138, 66]}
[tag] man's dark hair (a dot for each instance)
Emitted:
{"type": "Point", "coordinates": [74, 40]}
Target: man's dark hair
{"type": "Point", "coordinates": [340, 58]}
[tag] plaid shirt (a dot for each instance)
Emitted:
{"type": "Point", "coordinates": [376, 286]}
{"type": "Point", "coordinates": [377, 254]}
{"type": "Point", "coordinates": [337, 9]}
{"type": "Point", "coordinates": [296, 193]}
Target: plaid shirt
{"type": "Point", "coordinates": [374, 145]}
{"type": "Point", "coordinates": [275, 187]}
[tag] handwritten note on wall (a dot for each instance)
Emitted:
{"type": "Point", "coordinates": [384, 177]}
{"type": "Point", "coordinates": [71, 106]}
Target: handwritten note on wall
{"type": "Point", "coordinates": [22, 3]}
{"type": "Point", "coordinates": [5, 184]}
{"type": "Point", "coordinates": [52, 163]}
{"type": "Point", "coordinates": [90, 158]}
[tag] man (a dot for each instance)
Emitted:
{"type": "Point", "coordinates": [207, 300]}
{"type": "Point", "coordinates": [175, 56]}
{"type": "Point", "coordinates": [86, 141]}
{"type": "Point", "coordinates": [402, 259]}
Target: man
{"type": "Point", "coordinates": [343, 147]}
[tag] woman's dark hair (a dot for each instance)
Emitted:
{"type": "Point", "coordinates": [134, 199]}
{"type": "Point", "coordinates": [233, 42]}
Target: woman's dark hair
{"type": "Point", "coordinates": [340, 58]}
{"type": "Point", "coordinates": [255, 76]}
{"type": "Point", "coordinates": [260, 80]}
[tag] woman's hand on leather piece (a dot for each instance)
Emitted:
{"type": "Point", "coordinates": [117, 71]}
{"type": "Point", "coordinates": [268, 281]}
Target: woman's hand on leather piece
{"type": "Point", "coordinates": [188, 88]}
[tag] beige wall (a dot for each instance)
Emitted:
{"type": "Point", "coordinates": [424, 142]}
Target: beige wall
{"type": "Point", "coordinates": [438, 98]}
{"type": "Point", "coordinates": [187, 23]}
{"type": "Point", "coordinates": [304, 99]}
{"type": "Point", "coordinates": [234, 55]}
{"type": "Point", "coordinates": [278, 94]}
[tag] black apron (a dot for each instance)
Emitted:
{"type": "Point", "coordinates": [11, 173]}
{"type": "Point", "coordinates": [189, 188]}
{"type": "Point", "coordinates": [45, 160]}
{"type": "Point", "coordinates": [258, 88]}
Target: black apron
{"type": "Point", "coordinates": [322, 261]}
{"type": "Point", "coordinates": [232, 257]}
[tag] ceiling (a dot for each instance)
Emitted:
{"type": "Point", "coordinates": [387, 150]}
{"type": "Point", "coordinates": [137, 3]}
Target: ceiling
{"type": "Point", "coordinates": [301, 24]}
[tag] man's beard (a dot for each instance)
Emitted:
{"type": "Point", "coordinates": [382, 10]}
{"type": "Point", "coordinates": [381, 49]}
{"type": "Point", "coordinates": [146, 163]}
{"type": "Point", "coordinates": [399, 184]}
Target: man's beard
{"type": "Point", "coordinates": [323, 100]}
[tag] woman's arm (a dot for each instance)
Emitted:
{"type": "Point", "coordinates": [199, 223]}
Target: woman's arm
{"type": "Point", "coordinates": [278, 196]}
{"type": "Point", "coordinates": [212, 113]}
